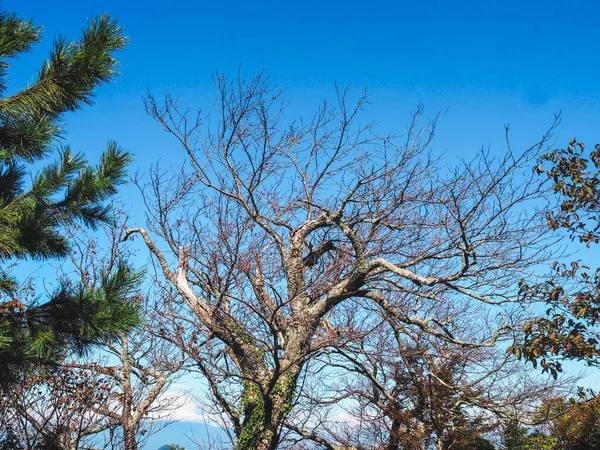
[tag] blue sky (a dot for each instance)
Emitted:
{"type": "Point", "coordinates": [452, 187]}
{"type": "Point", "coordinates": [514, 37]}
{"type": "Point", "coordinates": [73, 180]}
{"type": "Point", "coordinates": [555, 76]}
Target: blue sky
{"type": "Point", "coordinates": [485, 63]}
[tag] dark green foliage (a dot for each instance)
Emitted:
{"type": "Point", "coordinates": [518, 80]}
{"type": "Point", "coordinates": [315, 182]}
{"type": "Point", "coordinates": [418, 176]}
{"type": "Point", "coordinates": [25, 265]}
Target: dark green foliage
{"type": "Point", "coordinates": [34, 210]}
{"type": "Point", "coordinates": [514, 436]}
{"type": "Point", "coordinates": [16, 36]}
{"type": "Point", "coordinates": [67, 79]}
{"type": "Point", "coordinates": [479, 443]}
{"type": "Point", "coordinates": [75, 318]}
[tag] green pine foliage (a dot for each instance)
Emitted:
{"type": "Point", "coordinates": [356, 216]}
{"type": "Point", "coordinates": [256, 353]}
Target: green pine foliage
{"type": "Point", "coordinates": [35, 209]}
{"type": "Point", "coordinates": [514, 436]}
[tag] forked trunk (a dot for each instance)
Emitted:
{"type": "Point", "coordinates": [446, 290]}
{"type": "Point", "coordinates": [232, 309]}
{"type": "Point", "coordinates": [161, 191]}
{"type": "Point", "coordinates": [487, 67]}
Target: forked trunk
{"type": "Point", "coordinates": [264, 414]}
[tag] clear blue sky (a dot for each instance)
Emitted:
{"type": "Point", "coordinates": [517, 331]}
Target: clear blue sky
{"type": "Point", "coordinates": [487, 62]}
{"type": "Point", "coordinates": [484, 63]}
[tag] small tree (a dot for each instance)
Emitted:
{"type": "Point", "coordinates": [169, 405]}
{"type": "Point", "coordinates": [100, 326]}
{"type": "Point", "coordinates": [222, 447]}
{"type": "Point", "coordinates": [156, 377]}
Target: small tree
{"type": "Point", "coordinates": [562, 423]}
{"type": "Point", "coordinates": [514, 435]}
{"type": "Point", "coordinates": [139, 365]}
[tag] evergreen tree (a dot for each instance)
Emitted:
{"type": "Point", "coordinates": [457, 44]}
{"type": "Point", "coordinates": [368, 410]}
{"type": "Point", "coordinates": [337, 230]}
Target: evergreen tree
{"type": "Point", "coordinates": [34, 210]}
{"type": "Point", "coordinates": [514, 436]}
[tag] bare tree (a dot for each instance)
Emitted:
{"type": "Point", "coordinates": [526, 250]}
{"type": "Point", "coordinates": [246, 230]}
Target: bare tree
{"type": "Point", "coordinates": [402, 388]}
{"type": "Point", "coordinates": [139, 366]}
{"type": "Point", "coordinates": [140, 372]}
{"type": "Point", "coordinates": [272, 227]}
{"type": "Point", "coordinates": [54, 411]}
{"type": "Point", "coordinates": [99, 402]}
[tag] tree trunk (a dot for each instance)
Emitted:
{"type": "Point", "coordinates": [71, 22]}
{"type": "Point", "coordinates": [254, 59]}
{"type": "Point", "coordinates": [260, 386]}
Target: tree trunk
{"type": "Point", "coordinates": [129, 438]}
{"type": "Point", "coordinates": [394, 440]}
{"type": "Point", "coordinates": [128, 423]}
{"type": "Point", "coordinates": [264, 414]}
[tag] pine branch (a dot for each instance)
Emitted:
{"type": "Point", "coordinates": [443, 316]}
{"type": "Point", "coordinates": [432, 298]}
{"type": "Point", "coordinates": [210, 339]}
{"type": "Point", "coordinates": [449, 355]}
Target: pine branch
{"type": "Point", "coordinates": [67, 80]}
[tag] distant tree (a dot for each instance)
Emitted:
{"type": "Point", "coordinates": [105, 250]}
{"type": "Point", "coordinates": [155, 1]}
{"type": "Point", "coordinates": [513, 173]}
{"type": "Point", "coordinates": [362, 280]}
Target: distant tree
{"type": "Point", "coordinates": [514, 435]}
{"type": "Point", "coordinates": [33, 215]}
{"type": "Point", "coordinates": [272, 228]}
{"type": "Point", "coordinates": [560, 423]}
{"type": "Point", "coordinates": [573, 424]}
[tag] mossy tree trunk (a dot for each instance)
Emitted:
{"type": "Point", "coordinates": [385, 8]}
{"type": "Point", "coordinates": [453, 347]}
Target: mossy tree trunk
{"type": "Point", "coordinates": [264, 412]}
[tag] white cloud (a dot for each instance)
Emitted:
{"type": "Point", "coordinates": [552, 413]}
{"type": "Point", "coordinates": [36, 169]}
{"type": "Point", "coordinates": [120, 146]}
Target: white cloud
{"type": "Point", "coordinates": [186, 409]}
{"type": "Point", "coordinates": [180, 407]}
{"type": "Point", "coordinates": [345, 418]}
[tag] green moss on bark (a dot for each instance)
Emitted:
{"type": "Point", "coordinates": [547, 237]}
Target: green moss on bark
{"type": "Point", "coordinates": [282, 394]}
{"type": "Point", "coordinates": [255, 434]}
{"type": "Point", "coordinates": [253, 429]}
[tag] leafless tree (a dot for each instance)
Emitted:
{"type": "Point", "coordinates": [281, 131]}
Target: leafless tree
{"type": "Point", "coordinates": [402, 388]}
{"type": "Point", "coordinates": [140, 366]}
{"type": "Point", "coordinates": [140, 374]}
{"type": "Point", "coordinates": [54, 411]}
{"type": "Point", "coordinates": [271, 227]}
